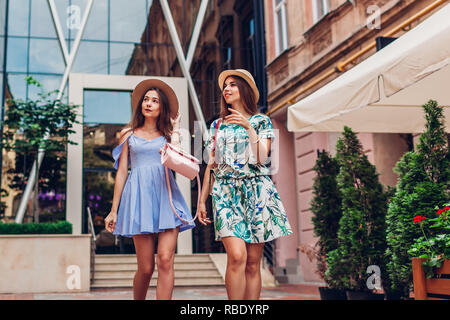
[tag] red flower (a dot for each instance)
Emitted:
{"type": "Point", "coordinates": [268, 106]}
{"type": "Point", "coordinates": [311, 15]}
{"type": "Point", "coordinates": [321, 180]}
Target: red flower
{"type": "Point", "coordinates": [417, 219]}
{"type": "Point", "coordinates": [442, 210]}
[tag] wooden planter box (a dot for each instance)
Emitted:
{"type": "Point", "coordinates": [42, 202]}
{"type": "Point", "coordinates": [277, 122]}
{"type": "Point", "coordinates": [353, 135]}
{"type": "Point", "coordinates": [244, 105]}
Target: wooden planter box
{"type": "Point", "coordinates": [437, 288]}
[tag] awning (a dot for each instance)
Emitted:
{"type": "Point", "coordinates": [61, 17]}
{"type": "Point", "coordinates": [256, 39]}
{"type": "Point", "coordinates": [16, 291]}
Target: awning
{"type": "Point", "coordinates": [385, 92]}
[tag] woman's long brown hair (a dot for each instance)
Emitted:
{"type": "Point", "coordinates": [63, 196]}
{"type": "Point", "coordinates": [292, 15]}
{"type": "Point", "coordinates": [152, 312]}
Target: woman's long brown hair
{"type": "Point", "coordinates": [163, 124]}
{"type": "Point", "coordinates": [247, 98]}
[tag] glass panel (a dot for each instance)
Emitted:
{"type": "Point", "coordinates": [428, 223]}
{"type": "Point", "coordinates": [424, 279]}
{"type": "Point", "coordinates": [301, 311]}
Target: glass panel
{"type": "Point", "coordinates": [107, 107]}
{"type": "Point", "coordinates": [52, 187]}
{"type": "Point", "coordinates": [46, 56]}
{"type": "Point", "coordinates": [127, 20]}
{"type": "Point", "coordinates": [97, 24]}
{"type": "Point", "coordinates": [41, 20]}
{"type": "Point", "coordinates": [92, 57]}
{"type": "Point", "coordinates": [18, 17]}
{"type": "Point", "coordinates": [320, 7]}
{"type": "Point", "coordinates": [17, 55]}
{"type": "Point", "coordinates": [252, 27]}
{"type": "Point", "coordinates": [48, 82]}
{"type": "Point", "coordinates": [120, 56]}
{"type": "Point", "coordinates": [2, 52]}
{"type": "Point", "coordinates": [280, 31]}
{"type": "Point", "coordinates": [1, 87]}
{"type": "Point", "coordinates": [73, 14]}
{"type": "Point", "coordinates": [2, 16]}
{"type": "Point", "coordinates": [98, 183]}
{"type": "Point", "coordinates": [16, 87]}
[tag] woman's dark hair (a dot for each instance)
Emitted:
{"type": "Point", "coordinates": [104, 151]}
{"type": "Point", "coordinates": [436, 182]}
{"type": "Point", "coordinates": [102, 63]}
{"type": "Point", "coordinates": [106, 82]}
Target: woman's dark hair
{"type": "Point", "coordinates": [163, 123]}
{"type": "Point", "coordinates": [247, 98]}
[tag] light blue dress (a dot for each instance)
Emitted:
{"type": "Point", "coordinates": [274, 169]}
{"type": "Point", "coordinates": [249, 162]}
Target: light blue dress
{"type": "Point", "coordinates": [144, 205]}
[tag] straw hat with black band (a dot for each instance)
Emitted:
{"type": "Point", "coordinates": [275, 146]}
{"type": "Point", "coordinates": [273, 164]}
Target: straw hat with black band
{"type": "Point", "coordinates": [244, 74]}
{"type": "Point", "coordinates": [142, 88]}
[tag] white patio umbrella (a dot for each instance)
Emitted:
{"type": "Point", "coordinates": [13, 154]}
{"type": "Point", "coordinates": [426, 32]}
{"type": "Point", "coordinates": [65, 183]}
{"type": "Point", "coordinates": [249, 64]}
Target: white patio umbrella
{"type": "Point", "coordinates": [385, 93]}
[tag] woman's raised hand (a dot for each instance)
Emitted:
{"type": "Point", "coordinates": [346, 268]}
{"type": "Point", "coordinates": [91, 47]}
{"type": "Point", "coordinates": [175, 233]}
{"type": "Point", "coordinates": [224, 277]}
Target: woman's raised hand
{"type": "Point", "coordinates": [237, 118]}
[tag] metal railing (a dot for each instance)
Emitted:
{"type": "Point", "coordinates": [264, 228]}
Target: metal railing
{"type": "Point", "coordinates": [91, 230]}
{"type": "Point", "coordinates": [269, 256]}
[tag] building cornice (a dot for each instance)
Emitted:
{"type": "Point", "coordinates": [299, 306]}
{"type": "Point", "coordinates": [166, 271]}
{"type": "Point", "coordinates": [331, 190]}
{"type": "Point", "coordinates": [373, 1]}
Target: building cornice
{"type": "Point", "coordinates": [332, 54]}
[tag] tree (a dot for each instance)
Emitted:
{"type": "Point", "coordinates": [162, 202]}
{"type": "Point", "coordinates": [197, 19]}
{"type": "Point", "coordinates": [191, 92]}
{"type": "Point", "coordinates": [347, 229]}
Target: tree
{"type": "Point", "coordinates": [326, 206]}
{"type": "Point", "coordinates": [361, 233]}
{"type": "Point", "coordinates": [423, 184]}
{"type": "Point", "coordinates": [29, 122]}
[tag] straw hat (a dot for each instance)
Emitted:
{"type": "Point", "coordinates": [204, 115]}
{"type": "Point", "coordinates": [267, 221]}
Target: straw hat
{"type": "Point", "coordinates": [142, 88]}
{"type": "Point", "coordinates": [244, 74]}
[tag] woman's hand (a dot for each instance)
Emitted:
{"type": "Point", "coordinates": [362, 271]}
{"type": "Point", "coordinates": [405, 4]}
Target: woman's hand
{"type": "Point", "coordinates": [202, 214]}
{"type": "Point", "coordinates": [110, 221]}
{"type": "Point", "coordinates": [237, 118]}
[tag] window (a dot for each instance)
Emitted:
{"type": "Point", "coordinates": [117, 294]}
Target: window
{"type": "Point", "coordinates": [281, 36]}
{"type": "Point", "coordinates": [320, 8]}
{"type": "Point", "coordinates": [248, 28]}
{"type": "Point", "coordinates": [224, 34]}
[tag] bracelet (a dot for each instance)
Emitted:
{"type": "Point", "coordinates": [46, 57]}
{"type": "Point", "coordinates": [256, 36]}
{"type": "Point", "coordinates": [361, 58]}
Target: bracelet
{"type": "Point", "coordinates": [255, 141]}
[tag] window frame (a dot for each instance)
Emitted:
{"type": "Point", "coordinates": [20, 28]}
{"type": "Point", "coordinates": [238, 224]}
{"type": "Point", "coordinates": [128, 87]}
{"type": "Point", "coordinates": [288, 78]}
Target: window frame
{"type": "Point", "coordinates": [283, 43]}
{"type": "Point", "coordinates": [325, 4]}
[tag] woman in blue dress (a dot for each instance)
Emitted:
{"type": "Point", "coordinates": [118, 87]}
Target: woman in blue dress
{"type": "Point", "coordinates": [141, 206]}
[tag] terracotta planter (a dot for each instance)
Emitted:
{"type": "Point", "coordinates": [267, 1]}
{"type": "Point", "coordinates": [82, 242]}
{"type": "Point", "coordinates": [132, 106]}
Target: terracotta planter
{"type": "Point", "coordinates": [437, 288]}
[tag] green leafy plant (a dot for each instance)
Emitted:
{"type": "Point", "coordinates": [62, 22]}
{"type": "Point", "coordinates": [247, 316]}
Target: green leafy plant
{"type": "Point", "coordinates": [326, 206]}
{"type": "Point", "coordinates": [60, 227]}
{"type": "Point", "coordinates": [37, 125]}
{"type": "Point", "coordinates": [434, 245]}
{"type": "Point", "coordinates": [423, 183]}
{"type": "Point", "coordinates": [361, 234]}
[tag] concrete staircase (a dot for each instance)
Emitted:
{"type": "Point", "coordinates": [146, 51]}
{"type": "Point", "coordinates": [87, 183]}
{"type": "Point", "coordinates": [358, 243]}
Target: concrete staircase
{"type": "Point", "coordinates": [117, 270]}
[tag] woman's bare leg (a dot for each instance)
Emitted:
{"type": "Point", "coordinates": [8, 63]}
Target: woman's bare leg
{"type": "Point", "coordinates": [253, 271]}
{"type": "Point", "coordinates": [167, 243]}
{"type": "Point", "coordinates": [145, 253]}
{"type": "Point", "coordinates": [235, 273]}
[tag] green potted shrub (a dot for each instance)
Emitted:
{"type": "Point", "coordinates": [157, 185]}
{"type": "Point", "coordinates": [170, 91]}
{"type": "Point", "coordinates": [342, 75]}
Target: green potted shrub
{"type": "Point", "coordinates": [361, 233]}
{"type": "Point", "coordinates": [60, 227]}
{"type": "Point", "coordinates": [423, 183]}
{"type": "Point", "coordinates": [326, 206]}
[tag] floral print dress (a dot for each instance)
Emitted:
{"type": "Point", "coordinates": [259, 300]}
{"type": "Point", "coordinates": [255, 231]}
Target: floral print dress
{"type": "Point", "coordinates": [246, 203]}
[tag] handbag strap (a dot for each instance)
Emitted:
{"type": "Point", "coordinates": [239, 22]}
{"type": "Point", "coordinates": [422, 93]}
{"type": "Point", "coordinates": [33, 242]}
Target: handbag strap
{"type": "Point", "coordinates": [170, 196]}
{"type": "Point", "coordinates": [215, 134]}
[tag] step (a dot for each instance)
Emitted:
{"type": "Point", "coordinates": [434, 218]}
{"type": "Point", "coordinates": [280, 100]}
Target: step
{"type": "Point", "coordinates": [115, 270]}
{"type": "Point", "coordinates": [133, 266]}
{"type": "Point", "coordinates": [128, 283]}
{"type": "Point", "coordinates": [117, 258]}
{"type": "Point", "coordinates": [180, 274]}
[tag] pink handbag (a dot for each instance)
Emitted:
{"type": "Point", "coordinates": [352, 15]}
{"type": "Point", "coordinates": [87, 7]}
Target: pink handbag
{"type": "Point", "coordinates": [184, 164]}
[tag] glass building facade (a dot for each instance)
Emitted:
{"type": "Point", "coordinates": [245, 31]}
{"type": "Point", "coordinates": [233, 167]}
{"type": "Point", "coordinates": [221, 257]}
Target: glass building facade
{"type": "Point", "coordinates": [29, 46]}
{"type": "Point", "coordinates": [29, 42]}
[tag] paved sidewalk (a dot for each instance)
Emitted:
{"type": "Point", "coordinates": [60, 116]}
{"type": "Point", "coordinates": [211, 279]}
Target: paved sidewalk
{"type": "Point", "coordinates": [281, 292]}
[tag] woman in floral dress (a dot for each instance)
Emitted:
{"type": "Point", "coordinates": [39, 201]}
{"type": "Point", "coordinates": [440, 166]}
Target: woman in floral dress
{"type": "Point", "coordinates": [246, 205]}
